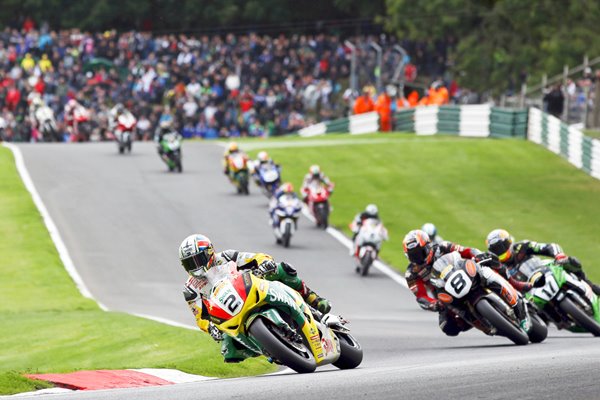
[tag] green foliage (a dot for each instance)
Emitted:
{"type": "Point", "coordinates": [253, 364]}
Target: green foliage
{"type": "Point", "coordinates": [186, 15]}
{"type": "Point", "coordinates": [499, 40]}
{"type": "Point", "coordinates": [467, 187]}
{"type": "Point", "coordinates": [47, 326]}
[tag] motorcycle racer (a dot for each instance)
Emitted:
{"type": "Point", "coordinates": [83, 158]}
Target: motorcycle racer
{"type": "Point", "coordinates": [422, 253]}
{"type": "Point", "coordinates": [315, 175]}
{"type": "Point", "coordinates": [511, 254]}
{"type": "Point", "coordinates": [370, 211]}
{"type": "Point", "coordinates": [197, 255]}
{"type": "Point", "coordinates": [286, 189]}
{"type": "Point", "coordinates": [431, 230]}
{"type": "Point", "coordinates": [113, 117]}
{"type": "Point", "coordinates": [164, 128]}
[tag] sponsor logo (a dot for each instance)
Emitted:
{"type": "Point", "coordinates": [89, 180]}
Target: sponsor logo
{"type": "Point", "coordinates": [327, 345]}
{"type": "Point", "coordinates": [280, 297]}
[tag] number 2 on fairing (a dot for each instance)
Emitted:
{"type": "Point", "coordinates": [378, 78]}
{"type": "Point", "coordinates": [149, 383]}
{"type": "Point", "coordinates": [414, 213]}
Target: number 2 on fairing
{"type": "Point", "coordinates": [458, 284]}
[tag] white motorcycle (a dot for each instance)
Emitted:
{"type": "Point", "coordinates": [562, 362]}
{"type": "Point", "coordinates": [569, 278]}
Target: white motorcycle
{"type": "Point", "coordinates": [287, 210]}
{"type": "Point", "coordinates": [367, 244]}
{"type": "Point", "coordinates": [47, 123]}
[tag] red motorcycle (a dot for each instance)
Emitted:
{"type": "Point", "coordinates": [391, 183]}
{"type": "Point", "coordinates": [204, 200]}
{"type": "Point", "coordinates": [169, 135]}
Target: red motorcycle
{"type": "Point", "coordinates": [317, 198]}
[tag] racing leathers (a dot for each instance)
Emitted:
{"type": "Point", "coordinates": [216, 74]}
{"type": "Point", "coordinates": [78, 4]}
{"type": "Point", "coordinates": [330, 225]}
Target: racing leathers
{"type": "Point", "coordinates": [274, 202]}
{"type": "Point", "coordinates": [525, 249]}
{"type": "Point", "coordinates": [312, 178]}
{"type": "Point", "coordinates": [262, 265]}
{"type": "Point", "coordinates": [417, 278]}
{"type": "Point", "coordinates": [226, 155]}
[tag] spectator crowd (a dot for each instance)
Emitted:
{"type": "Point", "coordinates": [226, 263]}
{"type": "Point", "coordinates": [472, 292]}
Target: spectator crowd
{"type": "Point", "coordinates": [210, 86]}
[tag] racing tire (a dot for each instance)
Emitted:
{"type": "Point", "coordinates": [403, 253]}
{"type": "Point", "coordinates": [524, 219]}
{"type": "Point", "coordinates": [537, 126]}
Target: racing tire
{"type": "Point", "coordinates": [351, 353]}
{"type": "Point", "coordinates": [281, 350]}
{"type": "Point", "coordinates": [287, 235]}
{"type": "Point", "coordinates": [129, 147]}
{"type": "Point", "coordinates": [504, 326]}
{"type": "Point", "coordinates": [365, 263]}
{"type": "Point", "coordinates": [121, 149]}
{"type": "Point", "coordinates": [539, 329]}
{"type": "Point", "coordinates": [580, 317]}
{"type": "Point", "coordinates": [179, 166]}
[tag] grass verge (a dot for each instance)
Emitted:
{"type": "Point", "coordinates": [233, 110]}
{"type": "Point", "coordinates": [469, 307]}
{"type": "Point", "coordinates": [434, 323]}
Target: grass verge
{"type": "Point", "coordinates": [467, 187]}
{"type": "Point", "coordinates": [47, 326]}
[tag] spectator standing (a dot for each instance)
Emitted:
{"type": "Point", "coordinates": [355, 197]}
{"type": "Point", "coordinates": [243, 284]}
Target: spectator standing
{"type": "Point", "coordinates": [555, 101]}
{"type": "Point", "coordinates": [364, 103]}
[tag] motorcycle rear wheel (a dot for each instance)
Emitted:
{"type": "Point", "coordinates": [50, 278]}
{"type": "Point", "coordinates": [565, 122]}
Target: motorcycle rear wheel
{"type": "Point", "coordinates": [351, 353]}
{"type": "Point", "coordinates": [281, 350]}
{"type": "Point", "coordinates": [504, 326]}
{"type": "Point", "coordinates": [580, 317]}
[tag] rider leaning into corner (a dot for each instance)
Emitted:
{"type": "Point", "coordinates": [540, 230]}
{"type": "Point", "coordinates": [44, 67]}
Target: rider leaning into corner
{"type": "Point", "coordinates": [511, 254]}
{"type": "Point", "coordinates": [422, 253]}
{"type": "Point", "coordinates": [370, 212]}
{"type": "Point", "coordinates": [315, 175]}
{"type": "Point", "coordinates": [197, 255]}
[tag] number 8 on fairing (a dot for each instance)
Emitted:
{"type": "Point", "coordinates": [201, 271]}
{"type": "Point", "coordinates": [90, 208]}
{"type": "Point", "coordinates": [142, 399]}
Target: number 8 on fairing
{"type": "Point", "coordinates": [458, 284]}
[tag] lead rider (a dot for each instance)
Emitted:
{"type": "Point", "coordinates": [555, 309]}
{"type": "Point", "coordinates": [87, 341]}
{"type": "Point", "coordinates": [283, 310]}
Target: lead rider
{"type": "Point", "coordinates": [197, 255]}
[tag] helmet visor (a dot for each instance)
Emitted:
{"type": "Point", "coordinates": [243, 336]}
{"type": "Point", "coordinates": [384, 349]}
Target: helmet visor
{"type": "Point", "coordinates": [197, 264]}
{"type": "Point", "coordinates": [504, 257]}
{"type": "Point", "coordinates": [418, 255]}
{"type": "Point", "coordinates": [500, 248]}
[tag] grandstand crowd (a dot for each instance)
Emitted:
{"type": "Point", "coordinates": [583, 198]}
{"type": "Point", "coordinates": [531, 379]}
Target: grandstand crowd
{"type": "Point", "coordinates": [210, 86]}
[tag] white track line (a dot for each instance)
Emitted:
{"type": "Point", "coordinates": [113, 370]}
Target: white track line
{"type": "Point", "coordinates": [346, 242]}
{"type": "Point", "coordinates": [50, 225]}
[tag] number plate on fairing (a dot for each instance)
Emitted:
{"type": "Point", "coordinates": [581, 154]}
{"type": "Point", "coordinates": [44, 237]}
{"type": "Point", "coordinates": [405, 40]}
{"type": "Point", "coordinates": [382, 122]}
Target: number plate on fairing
{"type": "Point", "coordinates": [458, 284]}
{"type": "Point", "coordinates": [225, 296]}
{"type": "Point", "coordinates": [547, 292]}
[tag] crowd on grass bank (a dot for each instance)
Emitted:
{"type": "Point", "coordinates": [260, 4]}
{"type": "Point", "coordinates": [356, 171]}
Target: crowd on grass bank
{"type": "Point", "coordinates": [210, 86]}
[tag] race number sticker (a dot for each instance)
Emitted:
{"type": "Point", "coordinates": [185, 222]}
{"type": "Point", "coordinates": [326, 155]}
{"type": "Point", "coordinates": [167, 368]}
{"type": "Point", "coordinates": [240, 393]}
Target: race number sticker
{"type": "Point", "coordinates": [458, 284]}
{"type": "Point", "coordinates": [227, 298]}
{"type": "Point", "coordinates": [549, 291]}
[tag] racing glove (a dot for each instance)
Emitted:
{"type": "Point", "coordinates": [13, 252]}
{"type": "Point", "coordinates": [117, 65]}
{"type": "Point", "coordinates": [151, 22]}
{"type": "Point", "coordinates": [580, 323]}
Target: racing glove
{"type": "Point", "coordinates": [214, 332]}
{"type": "Point", "coordinates": [265, 268]}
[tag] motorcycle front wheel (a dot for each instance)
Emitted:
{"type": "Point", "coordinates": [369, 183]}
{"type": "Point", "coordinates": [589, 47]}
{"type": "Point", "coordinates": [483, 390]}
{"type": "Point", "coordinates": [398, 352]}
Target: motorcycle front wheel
{"type": "Point", "coordinates": [293, 355]}
{"type": "Point", "coordinates": [504, 326]}
{"type": "Point", "coordinates": [539, 329]}
{"type": "Point", "coordinates": [580, 317]}
{"type": "Point", "coordinates": [351, 352]}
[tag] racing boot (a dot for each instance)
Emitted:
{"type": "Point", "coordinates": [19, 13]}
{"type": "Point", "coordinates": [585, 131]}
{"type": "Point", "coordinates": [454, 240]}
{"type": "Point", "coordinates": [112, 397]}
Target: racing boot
{"type": "Point", "coordinates": [522, 315]}
{"type": "Point", "coordinates": [321, 304]}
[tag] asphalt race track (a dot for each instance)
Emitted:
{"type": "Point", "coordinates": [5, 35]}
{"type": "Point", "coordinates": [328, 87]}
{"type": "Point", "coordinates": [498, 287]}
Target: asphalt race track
{"type": "Point", "coordinates": [123, 216]}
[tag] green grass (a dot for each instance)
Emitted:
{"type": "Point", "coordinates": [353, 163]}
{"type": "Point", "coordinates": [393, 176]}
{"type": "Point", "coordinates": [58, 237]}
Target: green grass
{"type": "Point", "coordinates": [592, 133]}
{"type": "Point", "coordinates": [47, 326]}
{"type": "Point", "coordinates": [467, 187]}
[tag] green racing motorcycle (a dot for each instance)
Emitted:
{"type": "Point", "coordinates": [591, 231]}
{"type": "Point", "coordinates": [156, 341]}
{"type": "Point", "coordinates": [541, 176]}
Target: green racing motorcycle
{"type": "Point", "coordinates": [565, 300]}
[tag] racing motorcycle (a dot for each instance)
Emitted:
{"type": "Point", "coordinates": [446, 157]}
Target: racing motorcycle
{"type": "Point", "coordinates": [287, 210]}
{"type": "Point", "coordinates": [84, 123]}
{"type": "Point", "coordinates": [267, 178]}
{"type": "Point", "coordinates": [271, 319]}
{"type": "Point", "coordinates": [124, 132]}
{"type": "Point", "coordinates": [565, 300]}
{"type": "Point", "coordinates": [47, 123]}
{"type": "Point", "coordinates": [238, 171]}
{"type": "Point", "coordinates": [171, 151]}
{"type": "Point", "coordinates": [368, 243]}
{"type": "Point", "coordinates": [461, 289]}
{"type": "Point", "coordinates": [318, 203]}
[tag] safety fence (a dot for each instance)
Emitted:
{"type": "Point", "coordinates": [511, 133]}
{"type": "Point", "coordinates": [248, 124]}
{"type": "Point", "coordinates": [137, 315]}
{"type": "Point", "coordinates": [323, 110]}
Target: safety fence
{"type": "Point", "coordinates": [468, 120]}
{"type": "Point", "coordinates": [355, 124]}
{"type": "Point", "coordinates": [580, 150]}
